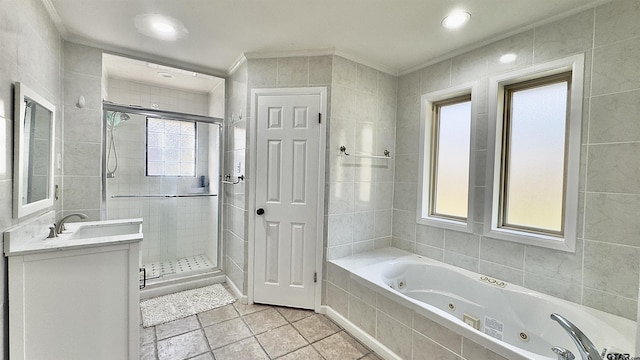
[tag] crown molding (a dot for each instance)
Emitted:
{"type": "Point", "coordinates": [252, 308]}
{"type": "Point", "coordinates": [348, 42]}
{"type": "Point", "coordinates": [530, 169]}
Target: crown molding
{"type": "Point", "coordinates": [519, 30]}
{"type": "Point", "coordinates": [236, 64]}
{"type": "Point", "coordinates": [371, 64]}
{"type": "Point", "coordinates": [317, 52]}
{"type": "Point", "coordinates": [288, 53]}
{"type": "Point", "coordinates": [55, 17]}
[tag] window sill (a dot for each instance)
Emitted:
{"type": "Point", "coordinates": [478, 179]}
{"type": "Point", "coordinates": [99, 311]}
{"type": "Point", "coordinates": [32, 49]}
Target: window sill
{"type": "Point", "coordinates": [527, 238]}
{"type": "Point", "coordinates": [446, 224]}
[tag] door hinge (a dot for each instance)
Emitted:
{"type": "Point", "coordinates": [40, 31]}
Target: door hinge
{"type": "Point", "coordinates": [319, 118]}
{"type": "Point", "coordinates": [315, 277]}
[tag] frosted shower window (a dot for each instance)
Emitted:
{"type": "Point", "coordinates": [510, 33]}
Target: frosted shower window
{"type": "Point", "coordinates": [534, 155]}
{"type": "Point", "coordinates": [449, 178]}
{"type": "Point", "coordinates": [171, 148]}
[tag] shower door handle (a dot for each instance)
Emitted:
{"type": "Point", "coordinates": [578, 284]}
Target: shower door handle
{"type": "Point", "coordinates": [260, 211]}
{"type": "Point", "coordinates": [144, 278]}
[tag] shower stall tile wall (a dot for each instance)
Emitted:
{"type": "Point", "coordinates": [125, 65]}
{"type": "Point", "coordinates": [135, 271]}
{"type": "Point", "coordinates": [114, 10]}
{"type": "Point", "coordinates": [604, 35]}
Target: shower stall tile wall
{"type": "Point", "coordinates": [235, 202]}
{"type": "Point", "coordinates": [123, 91]}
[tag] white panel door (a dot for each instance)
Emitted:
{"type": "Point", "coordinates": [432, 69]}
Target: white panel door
{"type": "Point", "coordinates": [286, 224]}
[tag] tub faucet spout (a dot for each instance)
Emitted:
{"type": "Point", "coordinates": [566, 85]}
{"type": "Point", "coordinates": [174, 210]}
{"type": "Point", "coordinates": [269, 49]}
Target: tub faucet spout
{"type": "Point", "coordinates": [60, 226]}
{"type": "Point", "coordinates": [586, 348]}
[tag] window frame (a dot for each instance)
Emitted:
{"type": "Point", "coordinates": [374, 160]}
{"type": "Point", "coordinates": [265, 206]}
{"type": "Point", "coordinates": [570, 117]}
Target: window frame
{"type": "Point", "coordinates": [146, 148]}
{"type": "Point", "coordinates": [435, 142]}
{"type": "Point", "coordinates": [494, 206]}
{"type": "Point", "coordinates": [426, 161]}
{"type": "Point", "coordinates": [509, 90]}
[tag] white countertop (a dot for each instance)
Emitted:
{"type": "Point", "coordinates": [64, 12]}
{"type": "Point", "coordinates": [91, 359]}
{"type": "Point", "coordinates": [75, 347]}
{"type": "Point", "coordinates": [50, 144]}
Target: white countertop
{"type": "Point", "coordinates": [19, 242]}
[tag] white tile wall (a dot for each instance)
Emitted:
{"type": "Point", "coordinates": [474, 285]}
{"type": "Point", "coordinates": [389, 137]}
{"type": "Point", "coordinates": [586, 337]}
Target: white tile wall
{"type": "Point", "coordinates": [31, 52]}
{"type": "Point", "coordinates": [363, 119]}
{"type": "Point", "coordinates": [128, 92]}
{"type": "Point", "coordinates": [608, 228]}
{"type": "Point", "coordinates": [235, 241]}
{"type": "Point", "coordinates": [609, 189]}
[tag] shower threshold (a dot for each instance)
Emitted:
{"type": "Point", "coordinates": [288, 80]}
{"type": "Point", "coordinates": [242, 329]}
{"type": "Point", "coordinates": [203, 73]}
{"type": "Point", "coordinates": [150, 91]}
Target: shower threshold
{"type": "Point", "coordinates": [181, 274]}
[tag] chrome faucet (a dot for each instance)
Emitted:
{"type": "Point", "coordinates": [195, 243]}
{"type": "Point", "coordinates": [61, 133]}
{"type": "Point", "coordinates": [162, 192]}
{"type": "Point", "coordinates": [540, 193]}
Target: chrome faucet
{"type": "Point", "coordinates": [563, 354]}
{"type": "Point", "coordinates": [586, 348]}
{"type": "Point", "coordinates": [60, 226]}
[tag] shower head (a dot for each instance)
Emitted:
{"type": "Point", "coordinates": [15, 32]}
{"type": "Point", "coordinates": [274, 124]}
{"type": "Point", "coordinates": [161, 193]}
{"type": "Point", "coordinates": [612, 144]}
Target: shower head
{"type": "Point", "coordinates": [113, 120]}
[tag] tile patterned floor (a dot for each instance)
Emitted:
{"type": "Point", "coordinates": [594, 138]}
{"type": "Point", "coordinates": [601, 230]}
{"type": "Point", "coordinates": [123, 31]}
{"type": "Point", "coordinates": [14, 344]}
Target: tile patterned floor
{"type": "Point", "coordinates": [187, 264]}
{"type": "Point", "coordinates": [245, 332]}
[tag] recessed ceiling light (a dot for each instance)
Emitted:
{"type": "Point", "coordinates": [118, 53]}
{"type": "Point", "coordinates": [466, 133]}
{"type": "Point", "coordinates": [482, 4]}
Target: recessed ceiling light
{"type": "Point", "coordinates": [508, 58]}
{"type": "Point", "coordinates": [160, 27]}
{"type": "Point", "coordinates": [456, 19]}
{"type": "Point", "coordinates": [166, 75]}
{"type": "Point", "coordinates": [163, 27]}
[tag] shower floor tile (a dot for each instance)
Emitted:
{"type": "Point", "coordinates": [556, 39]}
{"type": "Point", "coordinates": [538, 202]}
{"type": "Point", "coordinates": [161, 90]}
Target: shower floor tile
{"type": "Point", "coordinates": [182, 265]}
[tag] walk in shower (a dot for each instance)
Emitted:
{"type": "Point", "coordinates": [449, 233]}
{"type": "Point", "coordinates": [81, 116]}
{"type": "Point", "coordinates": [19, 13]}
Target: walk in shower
{"type": "Point", "coordinates": [164, 167]}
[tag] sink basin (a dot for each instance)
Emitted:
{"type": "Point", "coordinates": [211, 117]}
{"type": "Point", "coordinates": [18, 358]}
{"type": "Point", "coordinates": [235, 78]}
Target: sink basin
{"type": "Point", "coordinates": [78, 235]}
{"type": "Point", "coordinates": [105, 230]}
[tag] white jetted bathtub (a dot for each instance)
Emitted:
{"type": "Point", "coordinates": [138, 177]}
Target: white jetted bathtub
{"type": "Point", "coordinates": [508, 319]}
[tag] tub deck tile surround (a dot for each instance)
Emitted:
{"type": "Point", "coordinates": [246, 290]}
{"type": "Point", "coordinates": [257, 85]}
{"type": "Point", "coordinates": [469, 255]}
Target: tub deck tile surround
{"type": "Point", "coordinates": [371, 257]}
{"type": "Point", "coordinates": [246, 332]}
{"type": "Point", "coordinates": [402, 329]}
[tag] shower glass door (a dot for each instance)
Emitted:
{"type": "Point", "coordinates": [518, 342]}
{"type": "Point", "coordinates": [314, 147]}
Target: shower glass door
{"type": "Point", "coordinates": [165, 171]}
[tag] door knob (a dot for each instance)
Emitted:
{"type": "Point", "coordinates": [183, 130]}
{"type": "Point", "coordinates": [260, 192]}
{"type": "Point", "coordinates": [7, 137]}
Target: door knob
{"type": "Point", "coordinates": [260, 211]}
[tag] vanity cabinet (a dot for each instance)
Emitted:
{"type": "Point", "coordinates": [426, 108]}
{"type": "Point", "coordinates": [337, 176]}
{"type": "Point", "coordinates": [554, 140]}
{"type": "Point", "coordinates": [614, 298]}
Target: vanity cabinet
{"type": "Point", "coordinates": [76, 302]}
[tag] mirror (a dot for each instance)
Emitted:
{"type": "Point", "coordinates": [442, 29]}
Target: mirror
{"type": "Point", "coordinates": [34, 138]}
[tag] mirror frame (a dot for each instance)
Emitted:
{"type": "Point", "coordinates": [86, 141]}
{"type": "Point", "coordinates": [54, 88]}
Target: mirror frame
{"type": "Point", "coordinates": [21, 210]}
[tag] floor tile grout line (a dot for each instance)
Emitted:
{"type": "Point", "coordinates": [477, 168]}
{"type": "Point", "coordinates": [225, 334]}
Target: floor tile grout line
{"type": "Point", "coordinates": [218, 323]}
{"type": "Point", "coordinates": [201, 328]}
{"type": "Point", "coordinates": [204, 334]}
{"type": "Point", "coordinates": [289, 322]}
{"type": "Point", "coordinates": [254, 336]}
{"type": "Point", "coordinates": [229, 344]}
{"type": "Point", "coordinates": [244, 338]}
{"type": "Point", "coordinates": [309, 343]}
{"type": "Point", "coordinates": [155, 343]}
{"type": "Point", "coordinates": [340, 329]}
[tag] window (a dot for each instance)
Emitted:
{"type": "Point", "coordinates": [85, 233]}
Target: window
{"type": "Point", "coordinates": [534, 152]}
{"type": "Point", "coordinates": [171, 148]}
{"type": "Point", "coordinates": [534, 155]}
{"type": "Point", "coordinates": [446, 144]}
{"type": "Point", "coordinates": [449, 173]}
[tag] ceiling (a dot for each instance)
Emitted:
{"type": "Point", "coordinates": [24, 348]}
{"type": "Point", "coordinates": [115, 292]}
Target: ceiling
{"type": "Point", "coordinates": [390, 35]}
{"type": "Point", "coordinates": [150, 73]}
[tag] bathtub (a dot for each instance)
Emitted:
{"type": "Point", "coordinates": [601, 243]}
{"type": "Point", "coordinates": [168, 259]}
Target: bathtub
{"type": "Point", "coordinates": [508, 319]}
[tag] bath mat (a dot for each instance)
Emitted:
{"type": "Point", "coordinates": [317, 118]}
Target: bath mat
{"type": "Point", "coordinates": [171, 307]}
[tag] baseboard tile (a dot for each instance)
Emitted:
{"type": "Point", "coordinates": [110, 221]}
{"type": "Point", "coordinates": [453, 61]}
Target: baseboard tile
{"type": "Point", "coordinates": [359, 334]}
{"type": "Point", "coordinates": [242, 298]}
